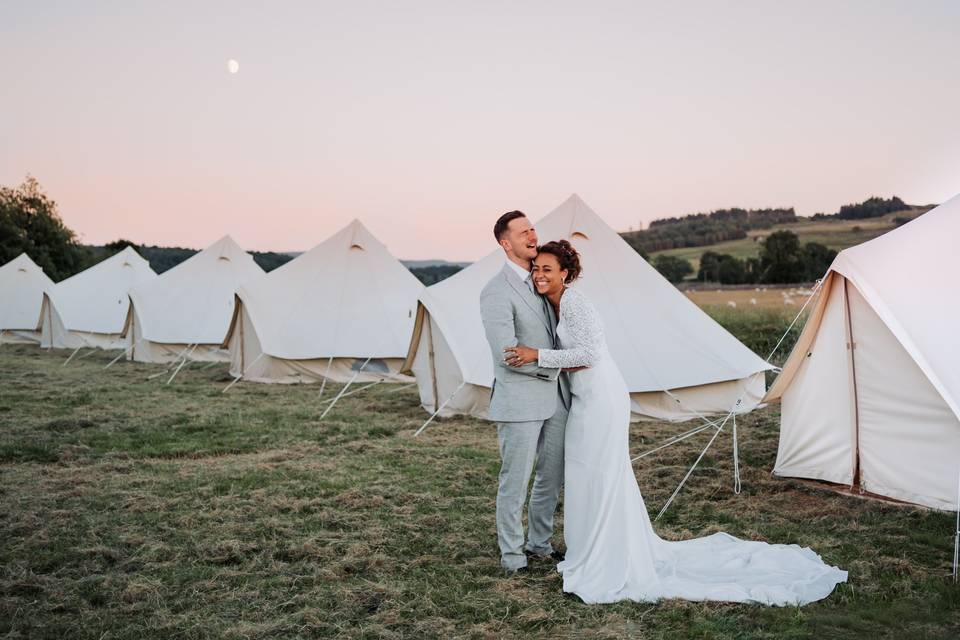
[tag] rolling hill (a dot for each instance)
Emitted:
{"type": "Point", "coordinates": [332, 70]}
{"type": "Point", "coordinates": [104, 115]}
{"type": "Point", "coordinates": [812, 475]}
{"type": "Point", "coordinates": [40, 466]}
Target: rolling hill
{"type": "Point", "coordinates": [833, 233]}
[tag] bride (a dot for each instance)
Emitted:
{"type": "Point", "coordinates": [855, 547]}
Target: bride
{"type": "Point", "coordinates": [613, 552]}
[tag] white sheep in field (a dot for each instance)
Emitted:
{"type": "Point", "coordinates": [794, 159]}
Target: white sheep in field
{"type": "Point", "coordinates": [753, 301]}
{"type": "Point", "coordinates": [731, 303]}
{"type": "Point", "coordinates": [788, 301]}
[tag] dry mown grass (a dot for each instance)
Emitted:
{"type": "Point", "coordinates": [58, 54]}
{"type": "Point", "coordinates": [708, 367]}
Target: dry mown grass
{"type": "Point", "coordinates": [131, 509]}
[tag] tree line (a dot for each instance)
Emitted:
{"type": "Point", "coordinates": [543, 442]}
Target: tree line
{"type": "Point", "coordinates": [30, 223]}
{"type": "Point", "coordinates": [782, 260]}
{"type": "Point", "coordinates": [872, 207]}
{"type": "Point", "coordinates": [703, 229]}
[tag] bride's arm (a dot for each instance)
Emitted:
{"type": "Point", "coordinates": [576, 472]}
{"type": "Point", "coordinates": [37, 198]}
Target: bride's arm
{"type": "Point", "coordinates": [583, 325]}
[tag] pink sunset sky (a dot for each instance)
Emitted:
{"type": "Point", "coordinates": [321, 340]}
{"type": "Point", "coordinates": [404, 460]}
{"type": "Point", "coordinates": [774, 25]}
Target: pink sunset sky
{"type": "Point", "coordinates": [426, 120]}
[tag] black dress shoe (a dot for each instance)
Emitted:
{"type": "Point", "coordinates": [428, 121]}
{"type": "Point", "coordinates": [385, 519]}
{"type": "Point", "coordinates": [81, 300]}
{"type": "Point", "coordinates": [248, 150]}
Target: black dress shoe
{"type": "Point", "coordinates": [557, 556]}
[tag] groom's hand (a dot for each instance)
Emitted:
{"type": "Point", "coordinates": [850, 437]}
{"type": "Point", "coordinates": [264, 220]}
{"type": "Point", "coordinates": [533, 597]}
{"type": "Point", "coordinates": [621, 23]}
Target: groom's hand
{"type": "Point", "coordinates": [520, 355]}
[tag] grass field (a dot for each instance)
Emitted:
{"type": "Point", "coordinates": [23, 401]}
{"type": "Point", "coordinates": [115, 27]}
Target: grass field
{"type": "Point", "coordinates": [780, 298]}
{"type": "Point", "coordinates": [133, 509]}
{"type": "Point", "coordinates": [834, 234]}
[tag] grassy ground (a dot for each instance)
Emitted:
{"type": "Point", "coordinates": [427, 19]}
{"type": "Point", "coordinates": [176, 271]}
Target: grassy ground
{"type": "Point", "coordinates": [780, 298]}
{"type": "Point", "coordinates": [132, 509]}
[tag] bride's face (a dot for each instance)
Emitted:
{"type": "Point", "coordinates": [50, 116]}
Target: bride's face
{"type": "Point", "coordinates": [548, 277]}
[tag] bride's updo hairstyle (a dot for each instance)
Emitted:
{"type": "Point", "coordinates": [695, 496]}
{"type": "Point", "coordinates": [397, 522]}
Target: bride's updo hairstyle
{"type": "Point", "coordinates": [566, 255]}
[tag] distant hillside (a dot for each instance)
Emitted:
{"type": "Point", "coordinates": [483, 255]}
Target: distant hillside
{"type": "Point", "coordinates": [831, 231]}
{"type": "Point", "coordinates": [703, 229]}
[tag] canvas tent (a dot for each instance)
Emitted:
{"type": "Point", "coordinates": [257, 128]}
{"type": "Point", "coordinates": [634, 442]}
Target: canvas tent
{"type": "Point", "coordinates": [186, 311]}
{"type": "Point", "coordinates": [676, 360]}
{"type": "Point", "coordinates": [870, 394]}
{"type": "Point", "coordinates": [89, 309]}
{"type": "Point", "coordinates": [325, 313]}
{"type": "Point", "coordinates": [22, 284]}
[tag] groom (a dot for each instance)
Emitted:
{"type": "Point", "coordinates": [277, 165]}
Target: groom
{"type": "Point", "coordinates": [528, 403]}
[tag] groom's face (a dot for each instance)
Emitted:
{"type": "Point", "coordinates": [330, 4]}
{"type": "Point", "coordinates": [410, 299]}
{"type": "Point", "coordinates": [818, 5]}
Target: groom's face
{"type": "Point", "coordinates": [520, 239]}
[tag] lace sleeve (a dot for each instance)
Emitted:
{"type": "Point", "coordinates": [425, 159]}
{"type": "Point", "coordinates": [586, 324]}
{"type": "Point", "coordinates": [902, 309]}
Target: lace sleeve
{"type": "Point", "coordinates": [585, 330]}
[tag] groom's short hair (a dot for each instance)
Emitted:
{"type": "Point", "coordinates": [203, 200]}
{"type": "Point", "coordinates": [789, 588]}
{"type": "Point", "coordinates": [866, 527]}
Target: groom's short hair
{"type": "Point", "coordinates": [504, 221]}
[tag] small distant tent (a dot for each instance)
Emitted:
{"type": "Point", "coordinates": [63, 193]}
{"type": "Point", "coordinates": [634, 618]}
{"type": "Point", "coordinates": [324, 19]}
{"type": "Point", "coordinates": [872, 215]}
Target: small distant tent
{"type": "Point", "coordinates": [343, 310]}
{"type": "Point", "coordinates": [678, 363]}
{"type": "Point", "coordinates": [90, 308]}
{"type": "Point", "coordinates": [185, 312]}
{"type": "Point", "coordinates": [870, 394]}
{"type": "Point", "coordinates": [22, 284]}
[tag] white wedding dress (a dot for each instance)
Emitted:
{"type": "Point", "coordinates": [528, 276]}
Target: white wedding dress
{"type": "Point", "coordinates": [613, 552]}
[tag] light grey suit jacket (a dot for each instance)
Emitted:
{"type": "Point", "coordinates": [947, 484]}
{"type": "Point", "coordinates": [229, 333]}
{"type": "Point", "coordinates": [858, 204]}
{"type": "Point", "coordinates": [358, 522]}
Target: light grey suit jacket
{"type": "Point", "coordinates": [512, 314]}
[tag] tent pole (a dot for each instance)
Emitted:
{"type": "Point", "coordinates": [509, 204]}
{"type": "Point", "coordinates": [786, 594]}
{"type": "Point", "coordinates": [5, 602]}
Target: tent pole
{"type": "Point", "coordinates": [736, 457]}
{"type": "Point", "coordinates": [186, 356]}
{"type": "Point", "coordinates": [177, 370]}
{"type": "Point", "coordinates": [674, 440]}
{"type": "Point", "coordinates": [67, 361]}
{"type": "Point", "coordinates": [331, 403]}
{"type": "Point", "coordinates": [122, 353]}
{"type": "Point", "coordinates": [683, 436]}
{"type": "Point", "coordinates": [50, 323]}
{"type": "Point", "coordinates": [816, 288]}
{"type": "Point", "coordinates": [350, 393]}
{"type": "Point", "coordinates": [340, 395]}
{"type": "Point", "coordinates": [242, 373]}
{"type": "Point", "coordinates": [323, 384]}
{"type": "Point", "coordinates": [690, 472]}
{"type": "Point", "coordinates": [439, 409]}
{"type": "Point", "coordinates": [736, 448]}
{"type": "Point", "coordinates": [233, 382]}
{"type": "Point", "coordinates": [956, 537]}
{"type": "Point", "coordinates": [172, 362]}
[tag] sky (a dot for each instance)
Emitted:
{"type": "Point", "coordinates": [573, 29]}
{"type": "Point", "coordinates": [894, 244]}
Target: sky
{"type": "Point", "coordinates": [427, 120]}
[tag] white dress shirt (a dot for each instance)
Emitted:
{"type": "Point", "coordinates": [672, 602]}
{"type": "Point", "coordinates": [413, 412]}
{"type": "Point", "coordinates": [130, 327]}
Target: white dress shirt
{"type": "Point", "coordinates": [523, 273]}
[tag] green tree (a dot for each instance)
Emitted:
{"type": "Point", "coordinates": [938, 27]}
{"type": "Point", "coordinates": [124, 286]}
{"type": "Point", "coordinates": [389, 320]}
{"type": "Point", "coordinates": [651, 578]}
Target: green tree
{"type": "Point", "coordinates": [816, 260]}
{"type": "Point", "coordinates": [672, 268]}
{"type": "Point", "coordinates": [30, 223]}
{"type": "Point", "coordinates": [115, 247]}
{"type": "Point", "coordinates": [781, 258]}
{"type": "Point", "coordinates": [871, 208]}
{"type": "Point", "coordinates": [723, 268]}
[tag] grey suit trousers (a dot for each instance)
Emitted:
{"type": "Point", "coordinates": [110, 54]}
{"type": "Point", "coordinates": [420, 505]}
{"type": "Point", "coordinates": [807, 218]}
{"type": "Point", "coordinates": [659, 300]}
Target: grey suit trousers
{"type": "Point", "coordinates": [525, 446]}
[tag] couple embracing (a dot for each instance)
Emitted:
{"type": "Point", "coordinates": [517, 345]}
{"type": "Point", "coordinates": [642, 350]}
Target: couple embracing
{"type": "Point", "coordinates": [562, 411]}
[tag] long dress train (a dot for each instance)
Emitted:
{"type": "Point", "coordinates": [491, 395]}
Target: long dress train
{"type": "Point", "coordinates": [613, 552]}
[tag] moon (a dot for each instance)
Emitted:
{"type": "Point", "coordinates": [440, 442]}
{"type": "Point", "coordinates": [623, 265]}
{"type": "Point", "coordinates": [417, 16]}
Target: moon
{"type": "Point", "coordinates": [233, 66]}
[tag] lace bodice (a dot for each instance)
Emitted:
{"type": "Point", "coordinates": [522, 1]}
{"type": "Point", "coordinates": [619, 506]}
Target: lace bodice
{"type": "Point", "coordinates": [581, 334]}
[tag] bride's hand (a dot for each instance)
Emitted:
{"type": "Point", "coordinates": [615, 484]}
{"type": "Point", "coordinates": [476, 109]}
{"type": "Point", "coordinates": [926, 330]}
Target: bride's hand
{"type": "Point", "coordinates": [574, 369]}
{"type": "Point", "coordinates": [520, 355]}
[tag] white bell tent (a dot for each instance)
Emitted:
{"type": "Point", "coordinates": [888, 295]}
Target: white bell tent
{"type": "Point", "coordinates": [22, 284]}
{"type": "Point", "coordinates": [186, 311]}
{"type": "Point", "coordinates": [678, 363]}
{"type": "Point", "coordinates": [89, 309]}
{"type": "Point", "coordinates": [342, 311]}
{"type": "Point", "coordinates": [870, 394]}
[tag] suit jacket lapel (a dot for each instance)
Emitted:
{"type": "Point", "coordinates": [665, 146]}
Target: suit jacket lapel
{"type": "Point", "coordinates": [548, 311]}
{"type": "Point", "coordinates": [531, 299]}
